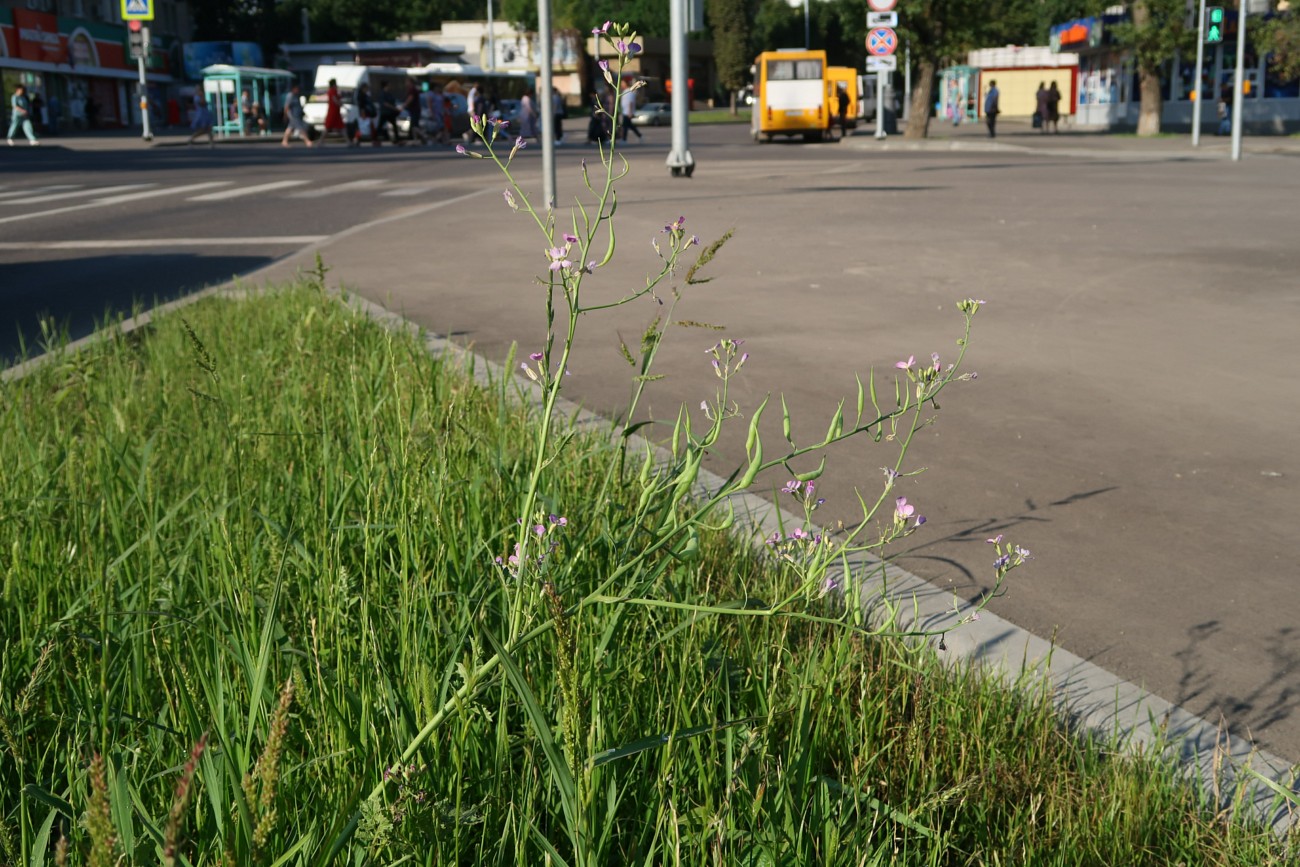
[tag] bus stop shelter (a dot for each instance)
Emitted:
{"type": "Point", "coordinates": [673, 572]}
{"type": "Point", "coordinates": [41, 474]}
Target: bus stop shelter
{"type": "Point", "coordinates": [223, 84]}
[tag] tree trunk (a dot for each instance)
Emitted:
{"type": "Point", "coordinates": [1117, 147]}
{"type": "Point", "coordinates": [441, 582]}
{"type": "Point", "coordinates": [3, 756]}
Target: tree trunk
{"type": "Point", "coordinates": [918, 123]}
{"type": "Point", "coordinates": [734, 108]}
{"type": "Point", "coordinates": [1148, 77]}
{"type": "Point", "coordinates": [1149, 88]}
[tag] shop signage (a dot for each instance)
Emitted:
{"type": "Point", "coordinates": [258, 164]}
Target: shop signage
{"type": "Point", "coordinates": [1074, 35]}
{"type": "Point", "coordinates": [38, 36]}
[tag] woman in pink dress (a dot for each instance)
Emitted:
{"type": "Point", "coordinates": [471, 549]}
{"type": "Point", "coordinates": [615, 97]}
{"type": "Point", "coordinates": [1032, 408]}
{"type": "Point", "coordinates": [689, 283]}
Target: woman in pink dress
{"type": "Point", "coordinates": [334, 112]}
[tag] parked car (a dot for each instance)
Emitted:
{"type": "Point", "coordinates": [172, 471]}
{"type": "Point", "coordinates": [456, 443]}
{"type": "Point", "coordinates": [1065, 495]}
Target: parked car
{"type": "Point", "coordinates": [654, 114]}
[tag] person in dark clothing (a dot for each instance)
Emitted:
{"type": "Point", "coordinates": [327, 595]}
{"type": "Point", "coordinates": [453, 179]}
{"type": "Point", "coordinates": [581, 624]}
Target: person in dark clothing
{"type": "Point", "coordinates": [1042, 102]}
{"type": "Point", "coordinates": [1053, 109]}
{"type": "Point", "coordinates": [366, 121]}
{"type": "Point", "coordinates": [388, 110]}
{"type": "Point", "coordinates": [411, 105]}
{"type": "Point", "coordinates": [842, 108]}
{"type": "Point", "coordinates": [991, 109]}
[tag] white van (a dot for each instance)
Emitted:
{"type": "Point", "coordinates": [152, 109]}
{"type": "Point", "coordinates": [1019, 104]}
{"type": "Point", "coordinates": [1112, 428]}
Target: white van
{"type": "Point", "coordinates": [348, 77]}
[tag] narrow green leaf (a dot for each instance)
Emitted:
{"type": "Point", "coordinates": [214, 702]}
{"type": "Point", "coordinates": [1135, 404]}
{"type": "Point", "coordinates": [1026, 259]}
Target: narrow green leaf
{"type": "Point", "coordinates": [661, 740]}
{"type": "Point", "coordinates": [42, 842]}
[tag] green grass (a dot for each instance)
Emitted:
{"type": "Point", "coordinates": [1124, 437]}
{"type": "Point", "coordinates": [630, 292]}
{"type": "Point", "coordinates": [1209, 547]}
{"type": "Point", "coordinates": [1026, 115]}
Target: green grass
{"type": "Point", "coordinates": [720, 115]}
{"type": "Point", "coordinates": [280, 531]}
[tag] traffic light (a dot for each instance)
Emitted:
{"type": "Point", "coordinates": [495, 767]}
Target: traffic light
{"type": "Point", "coordinates": [135, 39]}
{"type": "Point", "coordinates": [1213, 24]}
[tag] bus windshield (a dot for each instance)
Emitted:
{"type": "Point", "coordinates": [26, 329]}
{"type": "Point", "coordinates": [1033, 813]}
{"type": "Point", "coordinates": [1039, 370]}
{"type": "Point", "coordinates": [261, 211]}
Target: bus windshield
{"type": "Point", "coordinates": [794, 70]}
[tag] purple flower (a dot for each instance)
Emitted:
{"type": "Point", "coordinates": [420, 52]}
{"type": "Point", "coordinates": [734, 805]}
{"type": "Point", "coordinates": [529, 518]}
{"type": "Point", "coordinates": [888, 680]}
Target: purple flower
{"type": "Point", "coordinates": [570, 239]}
{"type": "Point", "coordinates": [906, 365]}
{"type": "Point", "coordinates": [604, 65]}
{"type": "Point", "coordinates": [626, 47]}
{"type": "Point", "coordinates": [791, 487]}
{"type": "Point", "coordinates": [539, 529]}
{"type": "Point", "coordinates": [559, 520]}
{"type": "Point", "coordinates": [558, 258]}
{"type": "Point", "coordinates": [675, 226]}
{"type": "Point", "coordinates": [536, 356]}
{"type": "Point", "coordinates": [602, 29]}
{"type": "Point", "coordinates": [996, 540]}
{"type": "Point", "coordinates": [934, 356]}
{"type": "Point", "coordinates": [903, 510]}
{"type": "Point", "coordinates": [1002, 562]}
{"type": "Point", "coordinates": [510, 199]}
{"type": "Point", "coordinates": [920, 519]}
{"type": "Point", "coordinates": [520, 144]}
{"type": "Point", "coordinates": [460, 149]}
{"type": "Point", "coordinates": [1022, 553]}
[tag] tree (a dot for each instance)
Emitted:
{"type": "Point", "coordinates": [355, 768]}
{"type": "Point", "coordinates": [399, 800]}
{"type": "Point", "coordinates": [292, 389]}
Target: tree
{"type": "Point", "coordinates": [733, 51]}
{"type": "Point", "coordinates": [1281, 38]}
{"type": "Point", "coordinates": [1158, 29]}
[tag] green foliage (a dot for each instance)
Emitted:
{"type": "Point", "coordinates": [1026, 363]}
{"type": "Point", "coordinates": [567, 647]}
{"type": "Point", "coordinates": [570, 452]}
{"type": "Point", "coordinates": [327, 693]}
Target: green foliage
{"type": "Point", "coordinates": [730, 22]}
{"type": "Point", "coordinates": [1157, 30]}
{"type": "Point", "coordinates": [1280, 37]}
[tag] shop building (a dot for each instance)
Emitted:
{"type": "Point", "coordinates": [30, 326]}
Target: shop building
{"type": "Point", "coordinates": [74, 55]}
{"type": "Point", "coordinates": [1108, 96]}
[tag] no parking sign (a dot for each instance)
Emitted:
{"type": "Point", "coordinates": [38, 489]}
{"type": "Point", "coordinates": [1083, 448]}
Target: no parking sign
{"type": "Point", "coordinates": [881, 42]}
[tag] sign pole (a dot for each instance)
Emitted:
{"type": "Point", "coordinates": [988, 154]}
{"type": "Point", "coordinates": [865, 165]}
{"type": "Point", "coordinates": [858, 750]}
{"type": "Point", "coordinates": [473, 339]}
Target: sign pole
{"type": "Point", "coordinates": [545, 104]}
{"type": "Point", "coordinates": [144, 88]}
{"type": "Point", "coordinates": [880, 103]}
{"type": "Point", "coordinates": [1200, 76]}
{"type": "Point", "coordinates": [907, 80]}
{"type": "Point", "coordinates": [1239, 81]}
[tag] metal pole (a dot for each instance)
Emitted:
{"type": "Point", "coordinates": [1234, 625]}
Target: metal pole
{"type": "Point", "coordinates": [880, 104]}
{"type": "Point", "coordinates": [492, 39]}
{"type": "Point", "coordinates": [1199, 97]}
{"type": "Point", "coordinates": [807, 33]}
{"type": "Point", "coordinates": [907, 80]}
{"type": "Point", "coordinates": [144, 87]}
{"type": "Point", "coordinates": [680, 160]}
{"type": "Point", "coordinates": [546, 107]}
{"type": "Point", "coordinates": [1239, 80]}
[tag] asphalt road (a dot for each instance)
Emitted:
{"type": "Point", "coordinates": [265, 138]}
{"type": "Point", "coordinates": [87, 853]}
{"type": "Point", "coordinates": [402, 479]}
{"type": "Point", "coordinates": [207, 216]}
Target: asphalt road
{"type": "Point", "coordinates": [1134, 422]}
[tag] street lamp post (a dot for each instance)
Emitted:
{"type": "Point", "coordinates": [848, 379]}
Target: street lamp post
{"type": "Point", "coordinates": [1200, 67]}
{"type": "Point", "coordinates": [544, 103]}
{"type": "Point", "coordinates": [1239, 80]}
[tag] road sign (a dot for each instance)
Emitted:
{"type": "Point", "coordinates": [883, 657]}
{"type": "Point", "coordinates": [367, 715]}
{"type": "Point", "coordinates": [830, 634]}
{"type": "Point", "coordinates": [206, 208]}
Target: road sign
{"type": "Point", "coordinates": [882, 5]}
{"type": "Point", "coordinates": [882, 19]}
{"type": "Point", "coordinates": [137, 10]}
{"type": "Point", "coordinates": [888, 63]}
{"type": "Point", "coordinates": [881, 41]}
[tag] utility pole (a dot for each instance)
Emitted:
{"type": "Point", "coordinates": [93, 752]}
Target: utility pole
{"type": "Point", "coordinates": [1200, 74]}
{"type": "Point", "coordinates": [1239, 80]}
{"type": "Point", "coordinates": [680, 160]}
{"type": "Point", "coordinates": [807, 33]}
{"type": "Point", "coordinates": [546, 106]}
{"type": "Point", "coordinates": [492, 39]}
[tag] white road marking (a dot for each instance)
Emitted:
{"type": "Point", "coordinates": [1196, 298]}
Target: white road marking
{"type": "Point", "coordinates": [34, 190]}
{"type": "Point", "coordinates": [409, 191]}
{"type": "Point", "coordinates": [116, 200]}
{"type": "Point", "coordinates": [240, 192]}
{"type": "Point", "coordinates": [54, 197]}
{"type": "Point", "coordinates": [364, 184]}
{"type": "Point", "coordinates": [130, 243]}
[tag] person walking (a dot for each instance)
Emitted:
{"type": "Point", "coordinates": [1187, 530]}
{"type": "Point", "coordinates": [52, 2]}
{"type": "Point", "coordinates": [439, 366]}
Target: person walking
{"type": "Point", "coordinates": [414, 109]}
{"type": "Point", "coordinates": [202, 121]}
{"type": "Point", "coordinates": [387, 111]}
{"type": "Point", "coordinates": [334, 111]}
{"type": "Point", "coordinates": [1053, 109]}
{"type": "Point", "coordinates": [991, 109]}
{"type": "Point", "coordinates": [842, 108]}
{"type": "Point", "coordinates": [557, 115]}
{"type": "Point", "coordinates": [1041, 100]}
{"type": "Point", "coordinates": [293, 122]}
{"type": "Point", "coordinates": [627, 108]}
{"type": "Point", "coordinates": [527, 117]}
{"type": "Point", "coordinates": [20, 115]}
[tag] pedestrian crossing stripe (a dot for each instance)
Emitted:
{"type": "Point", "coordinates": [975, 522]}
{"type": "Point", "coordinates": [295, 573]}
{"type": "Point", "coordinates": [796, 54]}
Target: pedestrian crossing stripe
{"type": "Point", "coordinates": [137, 10]}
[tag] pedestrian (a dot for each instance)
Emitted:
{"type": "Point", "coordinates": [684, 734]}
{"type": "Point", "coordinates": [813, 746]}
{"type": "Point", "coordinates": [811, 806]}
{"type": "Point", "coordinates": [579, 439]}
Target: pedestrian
{"type": "Point", "coordinates": [38, 111]}
{"type": "Point", "coordinates": [387, 110]}
{"type": "Point", "coordinates": [20, 114]}
{"type": "Point", "coordinates": [414, 112]}
{"type": "Point", "coordinates": [1225, 115]}
{"type": "Point", "coordinates": [627, 108]}
{"type": "Point", "coordinates": [991, 109]}
{"type": "Point", "coordinates": [842, 108]}
{"type": "Point", "coordinates": [334, 111]}
{"type": "Point", "coordinates": [293, 122]}
{"type": "Point", "coordinates": [557, 115]}
{"type": "Point", "coordinates": [1054, 108]}
{"type": "Point", "coordinates": [1041, 107]}
{"type": "Point", "coordinates": [202, 121]}
{"type": "Point", "coordinates": [366, 128]}
{"type": "Point", "coordinates": [527, 117]}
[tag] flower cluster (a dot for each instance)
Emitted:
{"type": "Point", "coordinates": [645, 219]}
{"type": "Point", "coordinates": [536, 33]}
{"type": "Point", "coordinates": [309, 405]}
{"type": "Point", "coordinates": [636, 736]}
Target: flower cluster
{"type": "Point", "coordinates": [905, 511]}
{"type": "Point", "coordinates": [1009, 556]}
{"type": "Point", "coordinates": [409, 794]}
{"type": "Point", "coordinates": [803, 492]}
{"type": "Point", "coordinates": [559, 260]}
{"type": "Point", "coordinates": [798, 545]}
{"type": "Point", "coordinates": [545, 533]}
{"type": "Point", "coordinates": [677, 239]}
{"type": "Point", "coordinates": [724, 352]}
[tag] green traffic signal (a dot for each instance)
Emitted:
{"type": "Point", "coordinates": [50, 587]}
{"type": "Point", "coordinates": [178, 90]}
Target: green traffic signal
{"type": "Point", "coordinates": [1213, 24]}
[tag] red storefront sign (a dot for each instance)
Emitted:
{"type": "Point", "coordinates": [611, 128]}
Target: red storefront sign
{"type": "Point", "coordinates": [38, 36]}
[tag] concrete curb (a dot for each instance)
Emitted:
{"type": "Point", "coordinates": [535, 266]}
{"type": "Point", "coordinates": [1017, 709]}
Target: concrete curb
{"type": "Point", "coordinates": [1092, 698]}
